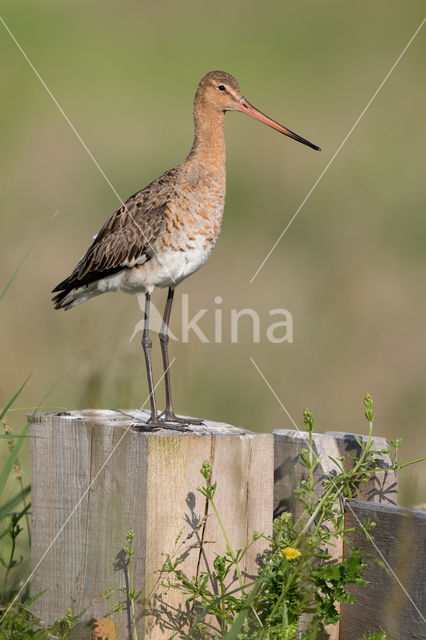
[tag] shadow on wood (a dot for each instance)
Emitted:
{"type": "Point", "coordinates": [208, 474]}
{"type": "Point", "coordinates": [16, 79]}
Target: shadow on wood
{"type": "Point", "coordinates": [289, 474]}
{"type": "Point", "coordinates": [95, 476]}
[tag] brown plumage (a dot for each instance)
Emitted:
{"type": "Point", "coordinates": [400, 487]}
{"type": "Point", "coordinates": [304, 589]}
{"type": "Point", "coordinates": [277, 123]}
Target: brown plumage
{"type": "Point", "coordinates": [124, 241]}
{"type": "Point", "coordinates": [165, 232]}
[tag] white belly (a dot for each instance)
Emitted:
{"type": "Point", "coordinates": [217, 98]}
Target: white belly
{"type": "Point", "coordinates": [174, 267]}
{"type": "Point", "coordinates": [167, 269]}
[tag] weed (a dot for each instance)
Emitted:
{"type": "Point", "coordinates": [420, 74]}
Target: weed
{"type": "Point", "coordinates": [298, 574]}
{"type": "Point", "coordinates": [130, 593]}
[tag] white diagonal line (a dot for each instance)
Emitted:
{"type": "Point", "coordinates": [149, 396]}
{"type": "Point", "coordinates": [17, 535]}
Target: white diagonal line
{"type": "Point", "coordinates": [278, 399]}
{"type": "Point", "coordinates": [371, 539]}
{"type": "Point", "coordinates": [79, 501]}
{"type": "Point", "coordinates": [346, 501]}
{"type": "Point", "coordinates": [84, 145]}
{"type": "Point", "coordinates": [338, 150]}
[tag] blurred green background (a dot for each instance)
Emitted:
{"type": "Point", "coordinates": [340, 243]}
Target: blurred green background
{"type": "Point", "coordinates": [351, 268]}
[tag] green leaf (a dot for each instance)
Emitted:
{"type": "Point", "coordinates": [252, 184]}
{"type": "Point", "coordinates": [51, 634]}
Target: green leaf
{"type": "Point", "coordinates": [358, 441]}
{"type": "Point", "coordinates": [13, 502]}
{"type": "Point", "coordinates": [337, 463]}
{"type": "Point", "coordinates": [237, 624]}
{"type": "Point", "coordinates": [379, 635]}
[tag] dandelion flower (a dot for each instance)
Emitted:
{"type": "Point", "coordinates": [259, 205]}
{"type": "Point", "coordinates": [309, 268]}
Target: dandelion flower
{"type": "Point", "coordinates": [290, 553]}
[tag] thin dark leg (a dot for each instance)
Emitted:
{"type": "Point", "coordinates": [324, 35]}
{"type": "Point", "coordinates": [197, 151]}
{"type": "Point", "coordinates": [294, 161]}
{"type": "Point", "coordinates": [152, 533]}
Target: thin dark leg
{"type": "Point", "coordinates": [169, 415]}
{"type": "Point", "coordinates": [147, 346]}
{"type": "Point", "coordinates": [154, 422]}
{"type": "Point", "coordinates": [164, 342]}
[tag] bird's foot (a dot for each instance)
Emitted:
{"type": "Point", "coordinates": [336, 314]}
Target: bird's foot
{"type": "Point", "coordinates": [157, 423]}
{"type": "Point", "coordinates": [171, 417]}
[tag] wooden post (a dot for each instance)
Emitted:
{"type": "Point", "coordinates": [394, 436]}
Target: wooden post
{"type": "Point", "coordinates": [95, 477]}
{"type": "Point", "coordinates": [394, 602]}
{"type": "Point", "coordinates": [288, 474]}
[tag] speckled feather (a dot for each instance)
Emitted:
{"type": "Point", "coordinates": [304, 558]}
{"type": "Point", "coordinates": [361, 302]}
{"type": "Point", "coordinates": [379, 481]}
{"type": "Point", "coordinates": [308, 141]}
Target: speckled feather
{"type": "Point", "coordinates": [126, 238]}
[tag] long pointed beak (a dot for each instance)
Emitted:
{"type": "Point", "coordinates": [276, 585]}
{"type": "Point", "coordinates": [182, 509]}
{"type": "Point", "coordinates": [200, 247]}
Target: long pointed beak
{"type": "Point", "coordinates": [244, 106]}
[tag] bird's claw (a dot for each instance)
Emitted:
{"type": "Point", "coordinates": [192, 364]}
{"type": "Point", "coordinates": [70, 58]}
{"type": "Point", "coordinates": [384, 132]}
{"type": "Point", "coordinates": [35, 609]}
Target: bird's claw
{"type": "Point", "coordinates": [171, 417]}
{"type": "Point", "coordinates": [159, 422]}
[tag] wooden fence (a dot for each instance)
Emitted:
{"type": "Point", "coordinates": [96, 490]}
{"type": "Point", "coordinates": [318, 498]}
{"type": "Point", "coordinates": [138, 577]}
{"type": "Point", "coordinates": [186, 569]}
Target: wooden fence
{"type": "Point", "coordinates": [94, 477]}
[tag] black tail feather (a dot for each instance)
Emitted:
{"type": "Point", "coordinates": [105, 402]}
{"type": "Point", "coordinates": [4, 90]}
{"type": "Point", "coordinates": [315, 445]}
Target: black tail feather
{"type": "Point", "coordinates": [57, 300]}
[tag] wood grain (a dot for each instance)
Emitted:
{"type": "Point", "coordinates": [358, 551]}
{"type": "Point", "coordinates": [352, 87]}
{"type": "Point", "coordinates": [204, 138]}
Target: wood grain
{"type": "Point", "coordinates": [400, 536]}
{"type": "Point", "coordinates": [93, 472]}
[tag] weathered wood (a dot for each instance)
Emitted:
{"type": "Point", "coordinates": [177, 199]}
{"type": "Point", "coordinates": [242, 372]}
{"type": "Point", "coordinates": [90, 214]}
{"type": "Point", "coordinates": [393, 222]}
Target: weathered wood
{"type": "Point", "coordinates": [93, 471]}
{"type": "Point", "coordinates": [400, 536]}
{"type": "Point", "coordinates": [288, 475]}
{"type": "Point", "coordinates": [383, 485]}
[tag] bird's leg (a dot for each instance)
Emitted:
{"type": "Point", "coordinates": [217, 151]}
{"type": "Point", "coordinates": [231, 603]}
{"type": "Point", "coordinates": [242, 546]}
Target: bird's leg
{"type": "Point", "coordinates": [147, 345]}
{"type": "Point", "coordinates": [169, 415]}
{"type": "Point", "coordinates": [154, 422]}
{"type": "Point", "coordinates": [164, 342]}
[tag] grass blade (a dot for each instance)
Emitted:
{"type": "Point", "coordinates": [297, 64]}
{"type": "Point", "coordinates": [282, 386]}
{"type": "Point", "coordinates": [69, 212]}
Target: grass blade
{"type": "Point", "coordinates": [11, 436]}
{"type": "Point", "coordinates": [4, 474]}
{"type": "Point", "coordinates": [7, 508]}
{"type": "Point", "coordinates": [15, 273]}
{"type": "Point", "coordinates": [12, 400]}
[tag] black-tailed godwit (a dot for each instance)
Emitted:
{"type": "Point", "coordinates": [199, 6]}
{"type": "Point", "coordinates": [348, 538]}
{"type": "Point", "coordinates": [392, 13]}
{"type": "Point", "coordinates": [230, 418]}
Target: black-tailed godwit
{"type": "Point", "coordinates": [167, 231]}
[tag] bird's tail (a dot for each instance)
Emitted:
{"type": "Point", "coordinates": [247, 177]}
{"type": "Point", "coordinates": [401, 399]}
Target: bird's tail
{"type": "Point", "coordinates": [71, 297]}
{"type": "Point", "coordinates": [60, 300]}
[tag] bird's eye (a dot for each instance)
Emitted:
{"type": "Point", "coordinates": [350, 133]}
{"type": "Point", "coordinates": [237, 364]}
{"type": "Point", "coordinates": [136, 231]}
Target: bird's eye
{"type": "Point", "coordinates": [221, 87]}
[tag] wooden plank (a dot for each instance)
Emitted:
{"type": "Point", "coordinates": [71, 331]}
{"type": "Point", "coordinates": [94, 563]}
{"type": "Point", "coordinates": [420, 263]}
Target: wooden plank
{"type": "Point", "coordinates": [400, 536]}
{"type": "Point", "coordinates": [383, 485]}
{"type": "Point", "coordinates": [288, 475]}
{"type": "Point", "coordinates": [94, 472]}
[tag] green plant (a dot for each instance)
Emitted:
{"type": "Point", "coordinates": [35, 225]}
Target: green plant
{"type": "Point", "coordinates": [17, 620]}
{"type": "Point", "coordinates": [15, 508]}
{"type": "Point", "coordinates": [21, 623]}
{"type": "Point", "coordinates": [130, 593]}
{"type": "Point", "coordinates": [298, 573]}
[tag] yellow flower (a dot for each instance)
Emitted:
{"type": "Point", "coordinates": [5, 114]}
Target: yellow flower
{"type": "Point", "coordinates": [290, 553]}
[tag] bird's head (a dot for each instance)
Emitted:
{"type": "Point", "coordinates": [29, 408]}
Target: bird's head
{"type": "Point", "coordinates": [220, 91]}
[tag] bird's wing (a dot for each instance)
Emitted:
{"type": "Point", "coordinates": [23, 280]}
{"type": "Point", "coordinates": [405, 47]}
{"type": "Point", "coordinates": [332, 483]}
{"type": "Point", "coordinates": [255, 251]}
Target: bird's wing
{"type": "Point", "coordinates": [126, 239]}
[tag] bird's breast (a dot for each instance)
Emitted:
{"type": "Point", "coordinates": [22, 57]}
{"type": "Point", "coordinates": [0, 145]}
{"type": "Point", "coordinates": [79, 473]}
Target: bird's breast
{"type": "Point", "coordinates": [193, 218]}
{"type": "Point", "coordinates": [190, 228]}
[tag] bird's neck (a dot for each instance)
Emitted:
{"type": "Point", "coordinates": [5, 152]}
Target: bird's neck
{"type": "Point", "coordinates": [208, 147]}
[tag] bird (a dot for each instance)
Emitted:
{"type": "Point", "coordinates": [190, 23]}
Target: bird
{"type": "Point", "coordinates": [165, 232]}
